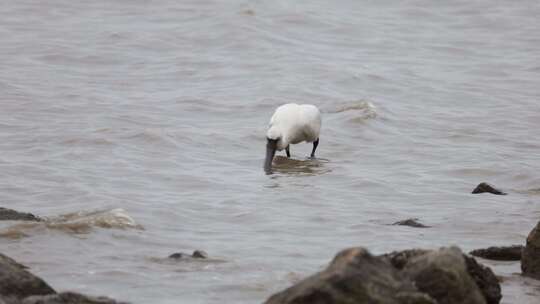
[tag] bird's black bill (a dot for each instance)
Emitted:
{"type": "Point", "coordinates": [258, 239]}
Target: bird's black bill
{"type": "Point", "coordinates": [271, 147]}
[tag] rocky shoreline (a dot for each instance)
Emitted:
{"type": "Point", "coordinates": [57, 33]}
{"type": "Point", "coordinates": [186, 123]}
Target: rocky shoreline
{"type": "Point", "coordinates": [415, 276]}
{"type": "Point", "coordinates": [412, 276]}
{"type": "Point", "coordinates": [405, 277]}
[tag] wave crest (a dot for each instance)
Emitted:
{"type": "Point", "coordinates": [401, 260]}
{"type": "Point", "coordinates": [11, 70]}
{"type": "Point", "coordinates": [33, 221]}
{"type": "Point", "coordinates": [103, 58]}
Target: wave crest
{"type": "Point", "coordinates": [74, 223]}
{"type": "Point", "coordinates": [363, 109]}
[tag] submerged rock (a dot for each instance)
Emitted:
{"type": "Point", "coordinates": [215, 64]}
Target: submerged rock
{"type": "Point", "coordinates": [444, 276]}
{"type": "Point", "coordinates": [412, 222]}
{"type": "Point", "coordinates": [13, 215]}
{"type": "Point", "coordinates": [507, 253]}
{"type": "Point", "coordinates": [197, 254]}
{"type": "Point", "coordinates": [485, 187]}
{"type": "Point", "coordinates": [530, 258]}
{"type": "Point", "coordinates": [68, 298]}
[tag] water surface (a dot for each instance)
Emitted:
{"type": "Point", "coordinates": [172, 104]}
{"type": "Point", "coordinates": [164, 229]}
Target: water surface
{"type": "Point", "coordinates": [151, 115]}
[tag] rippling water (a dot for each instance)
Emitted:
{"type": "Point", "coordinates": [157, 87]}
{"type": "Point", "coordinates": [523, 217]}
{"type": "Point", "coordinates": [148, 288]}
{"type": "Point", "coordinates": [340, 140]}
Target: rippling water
{"type": "Point", "coordinates": [143, 122]}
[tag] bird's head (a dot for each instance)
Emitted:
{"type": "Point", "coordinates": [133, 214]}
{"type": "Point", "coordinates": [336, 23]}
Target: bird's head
{"type": "Point", "coordinates": [273, 138]}
{"type": "Point", "coordinates": [271, 147]}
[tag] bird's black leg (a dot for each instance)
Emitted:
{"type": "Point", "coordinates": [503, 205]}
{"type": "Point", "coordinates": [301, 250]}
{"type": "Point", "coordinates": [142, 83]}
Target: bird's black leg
{"type": "Point", "coordinates": [288, 152]}
{"type": "Point", "coordinates": [315, 144]}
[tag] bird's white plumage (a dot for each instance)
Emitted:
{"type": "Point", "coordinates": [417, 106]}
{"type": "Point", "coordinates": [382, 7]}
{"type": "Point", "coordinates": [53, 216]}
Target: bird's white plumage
{"type": "Point", "coordinates": [293, 123]}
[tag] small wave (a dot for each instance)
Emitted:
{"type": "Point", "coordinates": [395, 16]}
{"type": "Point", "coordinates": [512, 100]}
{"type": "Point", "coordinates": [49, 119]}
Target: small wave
{"type": "Point", "coordinates": [75, 223]}
{"type": "Point", "coordinates": [87, 142]}
{"type": "Point", "coordinates": [112, 218]}
{"type": "Point", "coordinates": [363, 109]}
{"type": "Point", "coordinates": [533, 191]}
{"type": "Point", "coordinates": [153, 136]}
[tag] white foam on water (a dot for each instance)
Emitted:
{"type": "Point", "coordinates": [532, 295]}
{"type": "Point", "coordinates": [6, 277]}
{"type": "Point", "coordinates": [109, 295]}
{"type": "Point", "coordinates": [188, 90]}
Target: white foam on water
{"type": "Point", "coordinates": [80, 222]}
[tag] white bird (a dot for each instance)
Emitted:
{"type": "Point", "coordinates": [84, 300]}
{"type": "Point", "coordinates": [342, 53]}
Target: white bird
{"type": "Point", "coordinates": [292, 124]}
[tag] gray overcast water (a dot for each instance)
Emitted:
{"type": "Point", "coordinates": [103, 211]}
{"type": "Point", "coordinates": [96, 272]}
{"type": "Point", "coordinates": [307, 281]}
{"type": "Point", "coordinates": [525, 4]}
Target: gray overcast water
{"type": "Point", "coordinates": [138, 128]}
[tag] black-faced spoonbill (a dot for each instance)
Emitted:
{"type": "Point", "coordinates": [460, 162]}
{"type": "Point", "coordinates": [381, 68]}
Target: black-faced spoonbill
{"type": "Point", "coordinates": [292, 124]}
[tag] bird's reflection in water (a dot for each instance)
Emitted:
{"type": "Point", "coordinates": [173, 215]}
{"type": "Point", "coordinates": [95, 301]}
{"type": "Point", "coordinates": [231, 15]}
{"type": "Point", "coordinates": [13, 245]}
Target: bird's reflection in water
{"type": "Point", "coordinates": [289, 166]}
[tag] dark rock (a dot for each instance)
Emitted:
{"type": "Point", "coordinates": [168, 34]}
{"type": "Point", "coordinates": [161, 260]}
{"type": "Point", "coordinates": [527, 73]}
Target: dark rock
{"type": "Point", "coordinates": [485, 280]}
{"type": "Point", "coordinates": [9, 300]}
{"type": "Point", "coordinates": [197, 254]}
{"type": "Point", "coordinates": [530, 258]}
{"type": "Point", "coordinates": [12, 215]}
{"type": "Point", "coordinates": [179, 255]}
{"type": "Point", "coordinates": [68, 298]}
{"type": "Point", "coordinates": [485, 187]}
{"type": "Point", "coordinates": [444, 276]}
{"type": "Point", "coordinates": [18, 286]}
{"type": "Point", "coordinates": [16, 282]}
{"type": "Point", "coordinates": [509, 253]}
{"type": "Point", "coordinates": [399, 259]}
{"type": "Point", "coordinates": [354, 276]}
{"type": "Point", "coordinates": [412, 222]}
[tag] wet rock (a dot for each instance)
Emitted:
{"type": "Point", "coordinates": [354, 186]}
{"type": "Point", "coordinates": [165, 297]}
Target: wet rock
{"type": "Point", "coordinates": [9, 300]}
{"type": "Point", "coordinates": [197, 254]}
{"type": "Point", "coordinates": [12, 215]}
{"type": "Point", "coordinates": [444, 276]}
{"type": "Point", "coordinates": [530, 258]}
{"type": "Point", "coordinates": [354, 276]}
{"type": "Point", "coordinates": [68, 298]}
{"type": "Point", "coordinates": [485, 187]}
{"type": "Point", "coordinates": [485, 280]}
{"type": "Point", "coordinates": [17, 282]}
{"type": "Point", "coordinates": [179, 255]}
{"type": "Point", "coordinates": [19, 286]}
{"type": "Point", "coordinates": [483, 276]}
{"type": "Point", "coordinates": [399, 259]}
{"type": "Point", "coordinates": [412, 222]}
{"type": "Point", "coordinates": [508, 253]}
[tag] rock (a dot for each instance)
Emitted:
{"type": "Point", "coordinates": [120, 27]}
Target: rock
{"type": "Point", "coordinates": [68, 298]}
{"type": "Point", "coordinates": [354, 276]}
{"type": "Point", "coordinates": [399, 259]}
{"type": "Point", "coordinates": [412, 222]}
{"type": "Point", "coordinates": [197, 254]}
{"type": "Point", "coordinates": [18, 286]}
{"type": "Point", "coordinates": [12, 215]}
{"type": "Point", "coordinates": [179, 255]}
{"type": "Point", "coordinates": [444, 276]}
{"type": "Point", "coordinates": [9, 300]}
{"type": "Point", "coordinates": [16, 282]}
{"type": "Point", "coordinates": [508, 253]}
{"type": "Point", "coordinates": [485, 280]}
{"type": "Point", "coordinates": [530, 258]}
{"type": "Point", "coordinates": [485, 187]}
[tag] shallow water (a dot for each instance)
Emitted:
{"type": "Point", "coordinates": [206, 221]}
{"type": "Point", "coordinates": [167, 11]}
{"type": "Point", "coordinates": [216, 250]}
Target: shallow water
{"type": "Point", "coordinates": [159, 108]}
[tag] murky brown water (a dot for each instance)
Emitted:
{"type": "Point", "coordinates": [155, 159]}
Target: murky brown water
{"type": "Point", "coordinates": [159, 108]}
